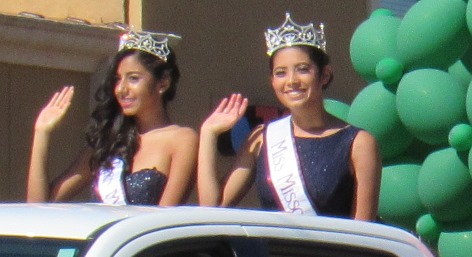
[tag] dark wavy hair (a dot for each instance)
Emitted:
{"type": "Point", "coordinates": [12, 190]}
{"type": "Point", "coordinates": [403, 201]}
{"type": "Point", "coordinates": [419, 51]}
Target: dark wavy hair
{"type": "Point", "coordinates": [318, 56]}
{"type": "Point", "coordinates": [110, 133]}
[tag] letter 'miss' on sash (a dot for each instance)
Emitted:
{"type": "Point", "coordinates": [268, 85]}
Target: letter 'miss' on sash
{"type": "Point", "coordinates": [110, 185]}
{"type": "Point", "coordinates": [284, 172]}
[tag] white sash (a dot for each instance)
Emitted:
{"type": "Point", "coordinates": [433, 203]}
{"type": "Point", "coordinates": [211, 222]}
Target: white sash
{"type": "Point", "coordinates": [110, 184]}
{"type": "Point", "coordinates": [284, 171]}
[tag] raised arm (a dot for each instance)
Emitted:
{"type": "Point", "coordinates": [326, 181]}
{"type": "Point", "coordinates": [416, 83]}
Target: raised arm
{"type": "Point", "coordinates": [225, 116]}
{"type": "Point", "coordinates": [38, 187]}
{"type": "Point", "coordinates": [367, 166]}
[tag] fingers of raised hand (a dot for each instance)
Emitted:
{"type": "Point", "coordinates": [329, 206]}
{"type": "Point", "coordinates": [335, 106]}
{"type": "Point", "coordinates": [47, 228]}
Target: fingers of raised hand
{"type": "Point", "coordinates": [63, 98]}
{"type": "Point", "coordinates": [243, 106]}
{"type": "Point", "coordinates": [234, 104]}
{"type": "Point", "coordinates": [222, 105]}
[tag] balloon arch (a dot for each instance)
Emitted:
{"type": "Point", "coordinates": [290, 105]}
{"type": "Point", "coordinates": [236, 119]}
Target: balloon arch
{"type": "Point", "coordinates": [418, 104]}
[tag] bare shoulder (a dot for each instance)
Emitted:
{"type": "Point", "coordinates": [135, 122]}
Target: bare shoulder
{"type": "Point", "coordinates": [172, 130]}
{"type": "Point", "coordinates": [182, 134]}
{"type": "Point", "coordinates": [363, 137]}
{"type": "Point", "coordinates": [365, 144]}
{"type": "Point", "coordinates": [181, 130]}
{"type": "Point", "coordinates": [173, 135]}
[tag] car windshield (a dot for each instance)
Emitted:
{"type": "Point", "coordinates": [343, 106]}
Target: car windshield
{"type": "Point", "coordinates": [40, 247]}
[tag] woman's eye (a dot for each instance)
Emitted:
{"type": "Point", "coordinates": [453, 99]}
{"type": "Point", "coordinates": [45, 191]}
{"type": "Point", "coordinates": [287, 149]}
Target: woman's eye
{"type": "Point", "coordinates": [133, 78]}
{"type": "Point", "coordinates": [303, 69]}
{"type": "Point", "coordinates": [279, 73]}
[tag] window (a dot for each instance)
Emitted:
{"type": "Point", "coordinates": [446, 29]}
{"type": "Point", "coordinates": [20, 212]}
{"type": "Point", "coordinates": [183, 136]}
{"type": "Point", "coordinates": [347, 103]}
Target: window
{"type": "Point", "coordinates": [37, 247]}
{"type": "Point", "coordinates": [292, 248]}
{"type": "Point", "coordinates": [201, 247]}
{"type": "Point", "coordinates": [256, 247]}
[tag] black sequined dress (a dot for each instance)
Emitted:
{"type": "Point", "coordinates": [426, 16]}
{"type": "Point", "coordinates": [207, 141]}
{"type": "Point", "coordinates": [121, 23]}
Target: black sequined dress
{"type": "Point", "coordinates": [325, 168]}
{"type": "Point", "coordinates": [143, 187]}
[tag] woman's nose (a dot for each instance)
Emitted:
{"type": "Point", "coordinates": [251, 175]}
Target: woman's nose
{"type": "Point", "coordinates": [293, 78]}
{"type": "Point", "coordinates": [121, 87]}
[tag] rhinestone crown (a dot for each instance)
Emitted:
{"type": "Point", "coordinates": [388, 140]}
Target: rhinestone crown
{"type": "Point", "coordinates": [153, 43]}
{"type": "Point", "coordinates": [290, 34]}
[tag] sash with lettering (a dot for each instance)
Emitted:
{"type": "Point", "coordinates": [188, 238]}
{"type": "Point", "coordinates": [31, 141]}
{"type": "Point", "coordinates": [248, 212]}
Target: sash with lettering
{"type": "Point", "coordinates": [109, 184]}
{"type": "Point", "coordinates": [284, 173]}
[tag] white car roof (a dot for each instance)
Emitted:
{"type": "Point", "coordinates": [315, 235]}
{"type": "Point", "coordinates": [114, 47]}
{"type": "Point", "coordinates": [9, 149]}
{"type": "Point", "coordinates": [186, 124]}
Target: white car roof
{"type": "Point", "coordinates": [62, 220]}
{"type": "Point", "coordinates": [83, 221]}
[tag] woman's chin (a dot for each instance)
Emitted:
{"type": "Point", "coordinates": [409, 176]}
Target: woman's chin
{"type": "Point", "coordinates": [128, 112]}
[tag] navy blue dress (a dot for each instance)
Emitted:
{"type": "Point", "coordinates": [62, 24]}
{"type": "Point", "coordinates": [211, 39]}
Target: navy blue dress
{"type": "Point", "coordinates": [325, 167]}
{"type": "Point", "coordinates": [143, 187]}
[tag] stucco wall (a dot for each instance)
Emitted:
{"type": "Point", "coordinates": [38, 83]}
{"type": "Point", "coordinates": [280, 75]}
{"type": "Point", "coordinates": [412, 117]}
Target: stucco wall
{"type": "Point", "coordinates": [94, 11]}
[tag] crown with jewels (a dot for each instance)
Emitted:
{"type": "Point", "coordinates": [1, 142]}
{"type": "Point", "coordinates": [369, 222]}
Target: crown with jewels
{"type": "Point", "coordinates": [290, 34]}
{"type": "Point", "coordinates": [153, 43]}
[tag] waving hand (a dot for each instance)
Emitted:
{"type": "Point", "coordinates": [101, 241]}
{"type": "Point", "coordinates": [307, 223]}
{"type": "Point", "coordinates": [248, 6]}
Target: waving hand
{"type": "Point", "coordinates": [52, 113]}
{"type": "Point", "coordinates": [226, 115]}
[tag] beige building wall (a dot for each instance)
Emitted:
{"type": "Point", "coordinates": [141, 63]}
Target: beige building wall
{"type": "Point", "coordinates": [90, 11]}
{"type": "Point", "coordinates": [222, 51]}
{"type": "Point", "coordinates": [101, 11]}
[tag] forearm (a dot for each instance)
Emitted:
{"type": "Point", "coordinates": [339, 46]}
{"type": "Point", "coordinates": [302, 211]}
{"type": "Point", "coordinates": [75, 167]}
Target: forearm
{"type": "Point", "coordinates": [209, 192]}
{"type": "Point", "coordinates": [366, 211]}
{"type": "Point", "coordinates": [38, 181]}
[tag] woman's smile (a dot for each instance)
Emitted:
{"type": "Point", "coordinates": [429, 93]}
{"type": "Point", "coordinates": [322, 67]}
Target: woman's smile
{"type": "Point", "coordinates": [126, 102]}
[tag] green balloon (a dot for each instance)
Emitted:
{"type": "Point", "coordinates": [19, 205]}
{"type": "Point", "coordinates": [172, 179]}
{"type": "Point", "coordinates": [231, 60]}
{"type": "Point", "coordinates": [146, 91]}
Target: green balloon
{"type": "Point", "coordinates": [433, 34]}
{"type": "Point", "coordinates": [336, 108]}
{"type": "Point", "coordinates": [455, 244]}
{"type": "Point", "coordinates": [382, 12]}
{"type": "Point", "coordinates": [399, 202]}
{"type": "Point", "coordinates": [373, 109]}
{"type": "Point", "coordinates": [428, 229]}
{"type": "Point", "coordinates": [389, 71]}
{"type": "Point", "coordinates": [460, 137]}
{"type": "Point", "coordinates": [461, 73]}
{"type": "Point", "coordinates": [468, 105]}
{"type": "Point", "coordinates": [445, 186]}
{"type": "Point", "coordinates": [429, 103]}
{"type": "Point", "coordinates": [466, 59]}
{"type": "Point", "coordinates": [469, 16]}
{"type": "Point", "coordinates": [372, 41]}
{"type": "Point", "coordinates": [470, 161]}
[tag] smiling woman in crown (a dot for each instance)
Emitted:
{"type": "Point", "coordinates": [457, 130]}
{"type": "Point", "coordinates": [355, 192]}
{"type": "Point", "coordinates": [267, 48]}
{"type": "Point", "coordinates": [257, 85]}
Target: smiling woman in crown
{"type": "Point", "coordinates": [308, 162]}
{"type": "Point", "coordinates": [135, 154]}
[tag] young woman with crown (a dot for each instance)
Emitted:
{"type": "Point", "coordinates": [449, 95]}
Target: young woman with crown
{"type": "Point", "coordinates": [135, 154]}
{"type": "Point", "coordinates": [308, 162]}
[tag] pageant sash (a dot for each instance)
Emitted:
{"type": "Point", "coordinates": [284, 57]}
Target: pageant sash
{"type": "Point", "coordinates": [284, 173]}
{"type": "Point", "coordinates": [110, 184]}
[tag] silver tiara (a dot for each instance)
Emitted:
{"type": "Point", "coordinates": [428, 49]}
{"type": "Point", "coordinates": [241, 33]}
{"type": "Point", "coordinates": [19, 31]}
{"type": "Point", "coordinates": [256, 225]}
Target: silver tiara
{"type": "Point", "coordinates": [290, 34]}
{"type": "Point", "coordinates": [153, 43]}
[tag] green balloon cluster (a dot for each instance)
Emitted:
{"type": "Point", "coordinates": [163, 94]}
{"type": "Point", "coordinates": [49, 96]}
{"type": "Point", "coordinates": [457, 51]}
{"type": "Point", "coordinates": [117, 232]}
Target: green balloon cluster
{"type": "Point", "coordinates": [418, 104]}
